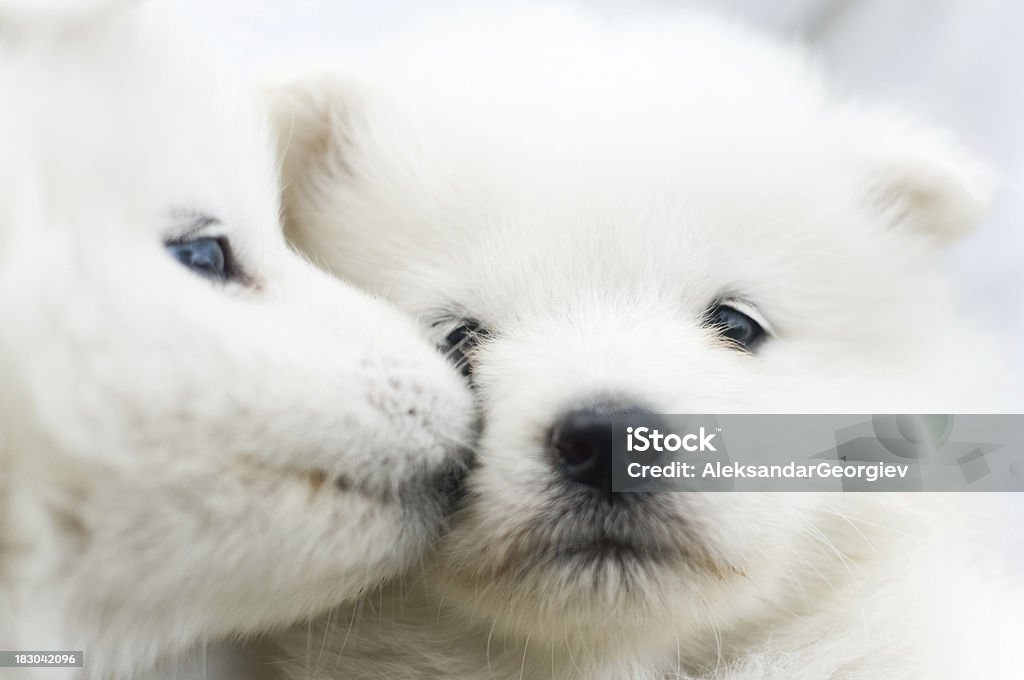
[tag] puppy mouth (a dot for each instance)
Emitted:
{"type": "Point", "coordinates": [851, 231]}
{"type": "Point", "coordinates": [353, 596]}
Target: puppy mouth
{"type": "Point", "coordinates": [585, 531]}
{"type": "Point", "coordinates": [609, 549]}
{"type": "Point", "coordinates": [617, 528]}
{"type": "Point", "coordinates": [448, 483]}
{"type": "Point", "coordinates": [440, 486]}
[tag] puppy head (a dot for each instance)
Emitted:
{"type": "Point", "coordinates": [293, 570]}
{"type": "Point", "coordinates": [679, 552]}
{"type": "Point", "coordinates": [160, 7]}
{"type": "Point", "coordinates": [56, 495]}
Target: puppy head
{"type": "Point", "coordinates": [602, 224]}
{"type": "Point", "coordinates": [217, 436]}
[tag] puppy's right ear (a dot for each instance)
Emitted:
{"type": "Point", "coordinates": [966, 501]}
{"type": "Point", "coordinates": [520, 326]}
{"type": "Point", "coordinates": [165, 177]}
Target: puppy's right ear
{"type": "Point", "coordinates": [312, 116]}
{"type": "Point", "coordinates": [917, 178]}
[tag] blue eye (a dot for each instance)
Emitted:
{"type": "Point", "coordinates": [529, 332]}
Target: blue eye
{"type": "Point", "coordinates": [205, 256]}
{"type": "Point", "coordinates": [734, 325]}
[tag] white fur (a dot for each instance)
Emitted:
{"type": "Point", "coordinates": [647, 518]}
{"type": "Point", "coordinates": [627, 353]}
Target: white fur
{"type": "Point", "coordinates": [19, 17]}
{"type": "Point", "coordinates": [586, 192]}
{"type": "Point", "coordinates": [184, 460]}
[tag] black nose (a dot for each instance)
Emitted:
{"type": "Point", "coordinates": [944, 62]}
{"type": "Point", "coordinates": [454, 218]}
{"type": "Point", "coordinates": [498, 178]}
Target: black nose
{"type": "Point", "coordinates": [583, 443]}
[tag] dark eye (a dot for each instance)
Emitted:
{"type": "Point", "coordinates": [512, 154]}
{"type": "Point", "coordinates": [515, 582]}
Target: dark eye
{"type": "Point", "coordinates": [732, 324]}
{"type": "Point", "coordinates": [206, 256]}
{"type": "Point", "coordinates": [458, 345]}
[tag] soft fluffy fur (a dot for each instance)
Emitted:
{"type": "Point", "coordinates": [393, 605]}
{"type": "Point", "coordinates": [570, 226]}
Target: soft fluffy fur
{"type": "Point", "coordinates": [183, 459]}
{"type": "Point", "coordinates": [586, 192]}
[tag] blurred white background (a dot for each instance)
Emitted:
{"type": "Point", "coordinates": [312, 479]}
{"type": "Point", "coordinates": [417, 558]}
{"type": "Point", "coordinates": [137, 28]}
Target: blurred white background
{"type": "Point", "coordinates": [956, 62]}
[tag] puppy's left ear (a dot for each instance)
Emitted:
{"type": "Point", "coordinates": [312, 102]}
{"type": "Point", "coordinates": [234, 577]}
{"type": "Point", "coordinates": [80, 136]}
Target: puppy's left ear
{"type": "Point", "coordinates": [312, 116]}
{"type": "Point", "coordinates": [919, 179]}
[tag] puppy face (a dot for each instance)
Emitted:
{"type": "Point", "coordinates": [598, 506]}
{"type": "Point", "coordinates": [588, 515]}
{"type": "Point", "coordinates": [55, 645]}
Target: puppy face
{"type": "Point", "coordinates": [209, 435]}
{"type": "Point", "coordinates": [625, 231]}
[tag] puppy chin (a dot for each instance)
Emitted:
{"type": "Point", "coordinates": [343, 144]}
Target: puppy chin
{"type": "Point", "coordinates": [581, 563]}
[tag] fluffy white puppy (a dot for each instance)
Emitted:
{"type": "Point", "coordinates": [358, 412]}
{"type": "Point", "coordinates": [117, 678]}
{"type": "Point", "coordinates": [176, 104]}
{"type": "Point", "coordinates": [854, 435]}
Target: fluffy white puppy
{"type": "Point", "coordinates": [201, 434]}
{"type": "Point", "coordinates": [667, 216]}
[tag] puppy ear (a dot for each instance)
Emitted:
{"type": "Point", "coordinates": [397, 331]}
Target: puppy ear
{"type": "Point", "coordinates": [920, 179]}
{"type": "Point", "coordinates": [312, 117]}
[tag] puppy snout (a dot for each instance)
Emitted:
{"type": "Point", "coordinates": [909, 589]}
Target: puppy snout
{"type": "Point", "coordinates": [582, 442]}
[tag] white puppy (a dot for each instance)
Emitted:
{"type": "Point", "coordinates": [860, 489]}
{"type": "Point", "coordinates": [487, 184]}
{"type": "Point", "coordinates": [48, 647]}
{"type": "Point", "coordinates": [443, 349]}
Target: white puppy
{"type": "Point", "coordinates": [201, 434]}
{"type": "Point", "coordinates": [668, 216]}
